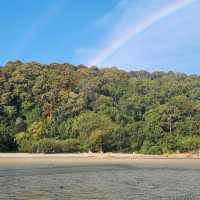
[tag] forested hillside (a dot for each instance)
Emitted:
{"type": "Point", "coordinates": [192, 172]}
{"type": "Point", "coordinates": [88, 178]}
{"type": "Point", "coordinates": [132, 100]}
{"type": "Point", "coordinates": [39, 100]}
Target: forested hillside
{"type": "Point", "coordinates": [67, 108]}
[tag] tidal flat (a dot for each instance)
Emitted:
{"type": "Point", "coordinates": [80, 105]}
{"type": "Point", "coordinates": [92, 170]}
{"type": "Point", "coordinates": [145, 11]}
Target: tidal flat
{"type": "Point", "coordinates": [77, 178]}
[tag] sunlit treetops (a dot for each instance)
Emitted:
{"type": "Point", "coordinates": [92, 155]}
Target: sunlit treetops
{"type": "Point", "coordinates": [68, 108]}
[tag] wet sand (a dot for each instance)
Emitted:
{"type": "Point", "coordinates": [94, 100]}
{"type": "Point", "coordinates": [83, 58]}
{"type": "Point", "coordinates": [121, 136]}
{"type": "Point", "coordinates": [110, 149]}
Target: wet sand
{"type": "Point", "coordinates": [98, 176]}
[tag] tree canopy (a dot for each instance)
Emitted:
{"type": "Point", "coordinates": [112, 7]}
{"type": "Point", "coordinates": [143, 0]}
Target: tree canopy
{"type": "Point", "coordinates": [68, 108]}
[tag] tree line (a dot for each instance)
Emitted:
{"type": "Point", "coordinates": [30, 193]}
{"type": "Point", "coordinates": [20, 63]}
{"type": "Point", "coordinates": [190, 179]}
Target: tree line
{"type": "Point", "coordinates": [67, 108]}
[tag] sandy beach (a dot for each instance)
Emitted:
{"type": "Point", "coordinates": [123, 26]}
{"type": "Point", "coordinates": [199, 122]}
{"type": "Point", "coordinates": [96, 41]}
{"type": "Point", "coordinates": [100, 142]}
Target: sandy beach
{"type": "Point", "coordinates": [26, 159]}
{"type": "Point", "coordinates": [100, 155]}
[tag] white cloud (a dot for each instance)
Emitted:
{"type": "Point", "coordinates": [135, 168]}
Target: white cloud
{"type": "Point", "coordinates": [129, 18]}
{"type": "Point", "coordinates": [112, 15]}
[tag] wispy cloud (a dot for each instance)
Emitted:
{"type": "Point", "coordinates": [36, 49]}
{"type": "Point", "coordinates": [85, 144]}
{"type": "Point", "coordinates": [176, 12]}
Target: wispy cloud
{"type": "Point", "coordinates": [125, 25]}
{"type": "Point", "coordinates": [113, 15]}
{"type": "Point", "coordinates": [38, 25]}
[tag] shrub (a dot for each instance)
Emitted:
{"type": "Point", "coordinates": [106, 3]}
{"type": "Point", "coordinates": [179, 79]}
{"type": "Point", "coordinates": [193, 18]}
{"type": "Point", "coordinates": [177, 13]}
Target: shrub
{"type": "Point", "coordinates": [149, 148]}
{"type": "Point", "coordinates": [49, 146]}
{"type": "Point", "coordinates": [3, 148]}
{"type": "Point", "coordinates": [25, 146]}
{"type": "Point", "coordinates": [70, 145]}
{"type": "Point", "coordinates": [154, 150]}
{"type": "Point", "coordinates": [189, 143]}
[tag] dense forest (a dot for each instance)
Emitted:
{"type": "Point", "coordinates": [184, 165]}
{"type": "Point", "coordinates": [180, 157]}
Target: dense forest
{"type": "Point", "coordinates": [67, 108]}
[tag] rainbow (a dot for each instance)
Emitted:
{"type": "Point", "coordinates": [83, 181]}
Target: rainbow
{"type": "Point", "coordinates": [143, 25]}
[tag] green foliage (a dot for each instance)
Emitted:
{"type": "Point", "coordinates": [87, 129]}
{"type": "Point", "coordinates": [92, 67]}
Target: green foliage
{"type": "Point", "coordinates": [7, 142]}
{"type": "Point", "coordinates": [50, 146]}
{"type": "Point", "coordinates": [189, 143]}
{"type": "Point", "coordinates": [66, 108]}
{"type": "Point", "coordinates": [70, 145]}
{"type": "Point", "coordinates": [26, 146]}
{"type": "Point", "coordinates": [91, 128]}
{"type": "Point", "coordinates": [20, 125]}
{"type": "Point", "coordinates": [150, 148]}
{"type": "Point", "coordinates": [32, 114]}
{"type": "Point", "coordinates": [10, 111]}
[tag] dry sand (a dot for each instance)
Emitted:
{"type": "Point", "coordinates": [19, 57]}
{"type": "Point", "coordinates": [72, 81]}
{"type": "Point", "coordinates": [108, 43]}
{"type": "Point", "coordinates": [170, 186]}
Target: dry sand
{"type": "Point", "coordinates": [25, 159]}
{"type": "Point", "coordinates": [99, 155]}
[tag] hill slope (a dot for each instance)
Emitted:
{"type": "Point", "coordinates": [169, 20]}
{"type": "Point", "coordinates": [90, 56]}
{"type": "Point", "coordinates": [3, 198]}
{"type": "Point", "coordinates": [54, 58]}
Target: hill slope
{"type": "Point", "coordinates": [66, 108]}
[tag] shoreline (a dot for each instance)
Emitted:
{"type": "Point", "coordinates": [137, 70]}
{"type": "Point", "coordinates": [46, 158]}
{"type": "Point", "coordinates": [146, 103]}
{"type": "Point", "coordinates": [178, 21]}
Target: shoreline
{"type": "Point", "coordinates": [15, 161]}
{"type": "Point", "coordinates": [100, 155]}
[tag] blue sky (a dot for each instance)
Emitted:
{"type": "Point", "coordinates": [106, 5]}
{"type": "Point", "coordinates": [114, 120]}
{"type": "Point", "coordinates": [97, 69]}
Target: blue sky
{"type": "Point", "coordinates": [78, 31]}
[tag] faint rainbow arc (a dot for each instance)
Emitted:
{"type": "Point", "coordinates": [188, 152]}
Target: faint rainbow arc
{"type": "Point", "coordinates": [143, 25]}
